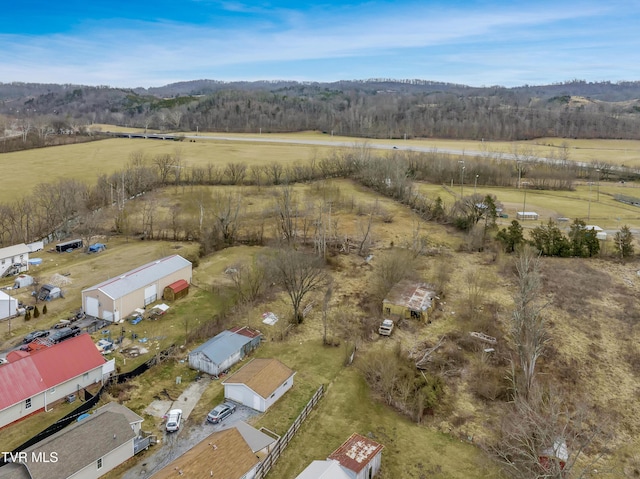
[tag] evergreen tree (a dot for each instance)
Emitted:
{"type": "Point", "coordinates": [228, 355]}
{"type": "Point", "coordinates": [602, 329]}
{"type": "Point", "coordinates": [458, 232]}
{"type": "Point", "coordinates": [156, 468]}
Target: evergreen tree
{"type": "Point", "coordinates": [36, 312]}
{"type": "Point", "coordinates": [511, 237]}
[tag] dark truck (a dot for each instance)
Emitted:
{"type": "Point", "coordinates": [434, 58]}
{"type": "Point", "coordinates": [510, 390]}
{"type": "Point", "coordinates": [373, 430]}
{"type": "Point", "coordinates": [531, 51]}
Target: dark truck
{"type": "Point", "coordinates": [64, 333]}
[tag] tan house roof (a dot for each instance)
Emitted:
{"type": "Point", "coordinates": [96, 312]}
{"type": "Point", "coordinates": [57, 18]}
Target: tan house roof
{"type": "Point", "coordinates": [414, 295]}
{"type": "Point", "coordinates": [80, 444]}
{"type": "Point", "coordinates": [223, 454]}
{"type": "Point", "coordinates": [263, 376]}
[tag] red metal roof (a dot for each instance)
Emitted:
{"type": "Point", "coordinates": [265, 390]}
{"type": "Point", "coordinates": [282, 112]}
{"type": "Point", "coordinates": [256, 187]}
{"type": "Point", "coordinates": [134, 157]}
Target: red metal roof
{"type": "Point", "coordinates": [47, 368]}
{"type": "Point", "coordinates": [246, 331]}
{"type": "Point", "coordinates": [356, 452]}
{"type": "Point", "coordinates": [179, 285]}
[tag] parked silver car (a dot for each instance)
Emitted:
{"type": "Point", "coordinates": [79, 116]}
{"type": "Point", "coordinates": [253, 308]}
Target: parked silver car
{"type": "Point", "coordinates": [220, 412]}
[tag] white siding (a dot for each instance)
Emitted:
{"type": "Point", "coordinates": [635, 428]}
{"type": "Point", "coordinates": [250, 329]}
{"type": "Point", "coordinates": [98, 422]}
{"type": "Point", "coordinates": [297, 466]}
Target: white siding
{"type": "Point", "coordinates": [109, 461]}
{"type": "Point", "coordinates": [91, 306]}
{"type": "Point", "coordinates": [277, 394]}
{"type": "Point", "coordinates": [243, 395]}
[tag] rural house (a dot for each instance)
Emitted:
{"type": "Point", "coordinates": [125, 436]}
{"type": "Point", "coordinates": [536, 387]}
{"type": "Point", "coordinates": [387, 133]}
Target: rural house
{"type": "Point", "coordinates": [40, 378]}
{"type": "Point", "coordinates": [86, 449]}
{"type": "Point", "coordinates": [224, 350]}
{"type": "Point", "coordinates": [116, 298]}
{"type": "Point", "coordinates": [222, 454]}
{"type": "Point", "coordinates": [259, 383]}
{"type": "Point", "coordinates": [409, 300]}
{"type": "Point", "coordinates": [359, 456]}
{"type": "Point", "coordinates": [14, 259]}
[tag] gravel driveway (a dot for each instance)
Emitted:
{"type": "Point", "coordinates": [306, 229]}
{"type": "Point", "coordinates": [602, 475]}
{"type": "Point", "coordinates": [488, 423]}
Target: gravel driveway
{"type": "Point", "coordinates": [172, 445]}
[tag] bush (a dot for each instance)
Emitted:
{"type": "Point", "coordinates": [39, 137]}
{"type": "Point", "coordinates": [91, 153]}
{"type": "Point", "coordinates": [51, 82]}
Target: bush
{"type": "Point", "coordinates": [36, 312]}
{"type": "Point", "coordinates": [44, 309]}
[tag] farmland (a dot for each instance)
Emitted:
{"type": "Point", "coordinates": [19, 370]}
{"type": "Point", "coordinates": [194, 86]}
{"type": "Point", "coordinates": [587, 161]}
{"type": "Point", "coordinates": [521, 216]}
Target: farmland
{"type": "Point", "coordinates": [592, 326]}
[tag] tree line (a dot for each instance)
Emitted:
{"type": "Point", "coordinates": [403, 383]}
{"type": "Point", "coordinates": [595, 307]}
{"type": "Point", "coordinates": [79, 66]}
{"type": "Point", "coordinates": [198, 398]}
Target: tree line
{"type": "Point", "coordinates": [376, 109]}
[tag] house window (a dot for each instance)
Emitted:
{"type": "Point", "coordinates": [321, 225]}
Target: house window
{"type": "Point", "coordinates": [100, 463]}
{"type": "Point", "coordinates": [52, 391]}
{"type": "Point", "coordinates": [27, 404]}
{"type": "Point", "coordinates": [85, 376]}
{"type": "Point", "coordinates": [272, 396]}
{"type": "Point", "coordinates": [285, 383]}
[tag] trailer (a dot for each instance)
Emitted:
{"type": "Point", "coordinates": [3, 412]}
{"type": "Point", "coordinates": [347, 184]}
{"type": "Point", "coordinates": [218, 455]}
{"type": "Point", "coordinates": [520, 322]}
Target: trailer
{"type": "Point", "coordinates": [69, 245]}
{"type": "Point", "coordinates": [35, 246]}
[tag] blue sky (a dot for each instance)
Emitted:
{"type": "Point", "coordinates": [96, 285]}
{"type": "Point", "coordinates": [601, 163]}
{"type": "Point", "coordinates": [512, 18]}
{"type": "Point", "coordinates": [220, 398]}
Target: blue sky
{"type": "Point", "coordinates": [476, 42]}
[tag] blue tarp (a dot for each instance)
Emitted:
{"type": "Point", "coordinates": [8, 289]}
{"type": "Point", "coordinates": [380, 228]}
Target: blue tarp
{"type": "Point", "coordinates": [94, 248]}
{"type": "Point", "coordinates": [35, 260]}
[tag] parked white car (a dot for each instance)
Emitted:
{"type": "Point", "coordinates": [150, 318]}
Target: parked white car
{"type": "Point", "coordinates": [173, 420]}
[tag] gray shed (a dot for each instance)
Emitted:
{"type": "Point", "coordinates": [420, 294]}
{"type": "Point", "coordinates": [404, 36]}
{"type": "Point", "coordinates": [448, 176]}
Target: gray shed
{"type": "Point", "coordinates": [224, 350]}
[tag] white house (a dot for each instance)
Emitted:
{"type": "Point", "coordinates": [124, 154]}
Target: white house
{"type": "Point", "coordinates": [86, 449]}
{"type": "Point", "coordinates": [116, 298]}
{"type": "Point", "coordinates": [14, 259]}
{"type": "Point", "coordinates": [42, 377]}
{"type": "Point", "coordinates": [259, 383]}
{"type": "Point", "coordinates": [8, 306]}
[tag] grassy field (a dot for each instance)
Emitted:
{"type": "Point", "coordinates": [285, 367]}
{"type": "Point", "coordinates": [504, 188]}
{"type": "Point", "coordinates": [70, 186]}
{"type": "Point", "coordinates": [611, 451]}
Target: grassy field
{"type": "Point", "coordinates": [584, 203]}
{"type": "Point", "coordinates": [85, 161]}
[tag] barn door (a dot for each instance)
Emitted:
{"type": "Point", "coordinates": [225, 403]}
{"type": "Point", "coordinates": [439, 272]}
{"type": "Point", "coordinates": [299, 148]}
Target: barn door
{"type": "Point", "coordinates": [150, 294]}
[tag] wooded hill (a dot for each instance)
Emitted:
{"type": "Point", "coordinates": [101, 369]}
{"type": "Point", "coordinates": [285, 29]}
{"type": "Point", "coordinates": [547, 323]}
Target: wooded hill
{"type": "Point", "coordinates": [379, 108]}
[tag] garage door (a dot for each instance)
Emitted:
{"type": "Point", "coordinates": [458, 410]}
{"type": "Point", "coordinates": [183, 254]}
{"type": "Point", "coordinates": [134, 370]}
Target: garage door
{"type": "Point", "coordinates": [150, 294]}
{"type": "Point", "coordinates": [91, 306]}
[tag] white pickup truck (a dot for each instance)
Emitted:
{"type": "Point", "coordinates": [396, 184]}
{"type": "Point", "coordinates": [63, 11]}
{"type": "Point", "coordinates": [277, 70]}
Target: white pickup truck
{"type": "Point", "coordinates": [386, 327]}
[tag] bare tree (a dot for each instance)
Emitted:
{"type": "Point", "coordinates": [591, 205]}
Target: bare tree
{"type": "Point", "coordinates": [325, 311]}
{"type": "Point", "coordinates": [528, 330]}
{"type": "Point", "coordinates": [226, 211]}
{"type": "Point", "coordinates": [286, 214]}
{"type": "Point", "coordinates": [300, 274]}
{"type": "Point", "coordinates": [250, 279]}
{"type": "Point", "coordinates": [543, 437]}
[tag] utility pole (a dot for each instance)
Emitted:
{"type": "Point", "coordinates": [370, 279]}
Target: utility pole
{"type": "Point", "coordinates": [475, 185]}
{"type": "Point", "coordinates": [461, 162]}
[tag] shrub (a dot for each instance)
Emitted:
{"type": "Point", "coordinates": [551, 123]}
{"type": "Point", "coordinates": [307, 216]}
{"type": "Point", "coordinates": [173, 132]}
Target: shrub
{"type": "Point", "coordinates": [36, 312]}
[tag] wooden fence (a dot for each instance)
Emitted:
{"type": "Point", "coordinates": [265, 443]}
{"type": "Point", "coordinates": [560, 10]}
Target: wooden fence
{"type": "Point", "coordinates": [265, 466]}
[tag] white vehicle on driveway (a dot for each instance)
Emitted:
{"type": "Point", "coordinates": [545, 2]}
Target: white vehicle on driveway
{"type": "Point", "coordinates": [173, 420]}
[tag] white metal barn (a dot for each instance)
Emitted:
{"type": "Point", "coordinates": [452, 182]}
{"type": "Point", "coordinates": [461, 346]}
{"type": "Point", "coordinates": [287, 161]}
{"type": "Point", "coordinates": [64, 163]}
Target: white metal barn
{"type": "Point", "coordinates": [259, 383]}
{"type": "Point", "coordinates": [8, 306]}
{"type": "Point", "coordinates": [116, 298]}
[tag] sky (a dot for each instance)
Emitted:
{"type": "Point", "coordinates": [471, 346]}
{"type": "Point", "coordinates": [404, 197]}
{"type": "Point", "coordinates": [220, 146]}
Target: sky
{"type": "Point", "coordinates": [143, 43]}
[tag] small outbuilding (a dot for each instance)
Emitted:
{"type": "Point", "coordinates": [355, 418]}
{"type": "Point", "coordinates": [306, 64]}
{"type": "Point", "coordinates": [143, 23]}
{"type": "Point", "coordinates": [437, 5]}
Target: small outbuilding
{"type": "Point", "coordinates": [224, 350]}
{"type": "Point", "coordinates": [359, 456]}
{"type": "Point", "coordinates": [176, 290]}
{"type": "Point", "coordinates": [259, 383]}
{"type": "Point", "coordinates": [600, 233]}
{"type": "Point", "coordinates": [48, 292]}
{"type": "Point", "coordinates": [527, 215]}
{"type": "Point", "coordinates": [409, 300]}
{"type": "Point", "coordinates": [22, 281]}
